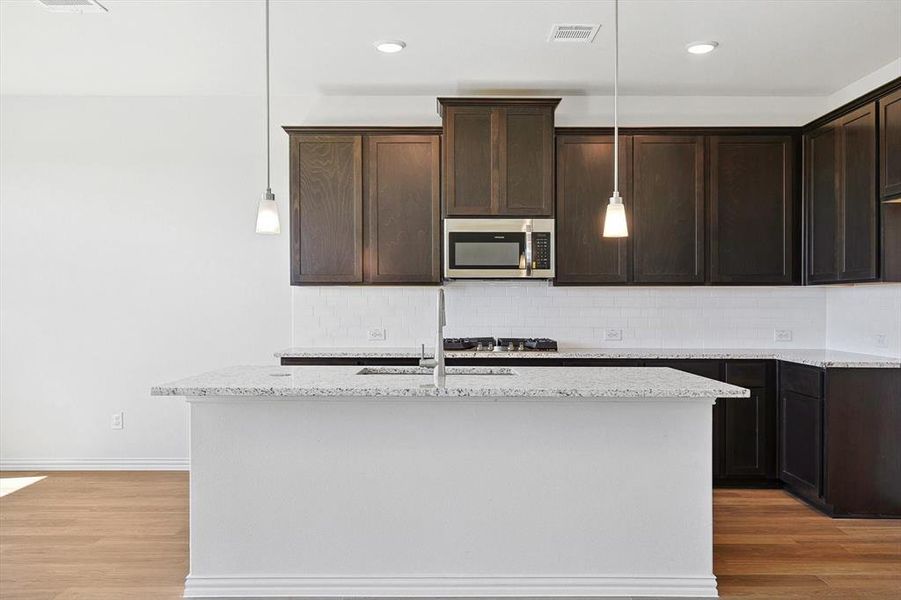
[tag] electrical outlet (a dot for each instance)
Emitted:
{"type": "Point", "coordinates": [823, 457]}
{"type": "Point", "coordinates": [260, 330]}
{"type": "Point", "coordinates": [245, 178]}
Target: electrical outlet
{"type": "Point", "coordinates": [117, 422]}
{"type": "Point", "coordinates": [613, 335]}
{"type": "Point", "coordinates": [880, 340]}
{"type": "Point", "coordinates": [782, 335]}
{"type": "Point", "coordinates": [376, 334]}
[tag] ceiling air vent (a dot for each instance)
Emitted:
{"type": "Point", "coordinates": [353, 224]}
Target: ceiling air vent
{"type": "Point", "coordinates": [73, 6]}
{"type": "Point", "coordinates": [574, 33]}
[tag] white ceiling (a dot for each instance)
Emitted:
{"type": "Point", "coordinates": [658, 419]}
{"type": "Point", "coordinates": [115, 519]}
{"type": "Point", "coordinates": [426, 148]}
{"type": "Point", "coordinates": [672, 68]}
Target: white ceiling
{"type": "Point", "coordinates": [194, 47]}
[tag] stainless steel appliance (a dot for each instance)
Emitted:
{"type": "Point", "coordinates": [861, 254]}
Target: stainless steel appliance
{"type": "Point", "coordinates": [498, 248]}
{"type": "Point", "coordinates": [490, 344]}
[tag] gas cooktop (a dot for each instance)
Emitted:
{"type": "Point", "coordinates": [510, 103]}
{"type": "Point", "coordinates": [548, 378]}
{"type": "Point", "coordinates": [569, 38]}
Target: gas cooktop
{"type": "Point", "coordinates": [490, 344]}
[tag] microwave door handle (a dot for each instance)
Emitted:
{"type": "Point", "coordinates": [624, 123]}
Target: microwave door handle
{"type": "Point", "coordinates": [528, 250]}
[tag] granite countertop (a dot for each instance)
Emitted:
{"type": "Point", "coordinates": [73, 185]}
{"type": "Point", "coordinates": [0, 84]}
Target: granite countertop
{"type": "Point", "coordinates": [516, 382]}
{"type": "Point", "coordinates": [811, 357]}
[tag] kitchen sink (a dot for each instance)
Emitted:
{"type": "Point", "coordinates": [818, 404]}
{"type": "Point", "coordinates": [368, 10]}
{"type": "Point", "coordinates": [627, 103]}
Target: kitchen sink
{"type": "Point", "coordinates": [427, 371]}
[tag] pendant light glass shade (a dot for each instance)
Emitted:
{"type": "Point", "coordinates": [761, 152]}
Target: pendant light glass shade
{"type": "Point", "coordinates": [267, 211]}
{"type": "Point", "coordinates": [267, 214]}
{"type": "Point", "coordinates": [615, 219]}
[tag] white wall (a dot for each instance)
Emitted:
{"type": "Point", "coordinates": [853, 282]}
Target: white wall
{"type": "Point", "coordinates": [128, 258]}
{"type": "Point", "coordinates": [573, 111]}
{"type": "Point", "coordinates": [864, 318]}
{"type": "Point", "coordinates": [653, 317]}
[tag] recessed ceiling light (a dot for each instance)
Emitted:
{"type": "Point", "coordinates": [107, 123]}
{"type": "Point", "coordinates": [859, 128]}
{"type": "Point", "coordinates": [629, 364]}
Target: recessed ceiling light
{"type": "Point", "coordinates": [390, 46]}
{"type": "Point", "coordinates": [701, 47]}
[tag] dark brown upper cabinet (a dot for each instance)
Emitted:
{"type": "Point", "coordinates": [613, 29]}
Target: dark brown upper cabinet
{"type": "Point", "coordinates": [498, 156]}
{"type": "Point", "coordinates": [668, 209]}
{"type": "Point", "coordinates": [365, 205]}
{"type": "Point", "coordinates": [751, 209]}
{"type": "Point", "coordinates": [402, 204]}
{"type": "Point", "coordinates": [890, 183]}
{"type": "Point", "coordinates": [890, 145]}
{"type": "Point", "coordinates": [821, 156]}
{"type": "Point", "coordinates": [859, 202]}
{"type": "Point", "coordinates": [470, 160]}
{"type": "Point", "coordinates": [326, 208]}
{"type": "Point", "coordinates": [584, 184]}
{"type": "Point", "coordinates": [891, 240]}
{"type": "Point", "coordinates": [841, 198]}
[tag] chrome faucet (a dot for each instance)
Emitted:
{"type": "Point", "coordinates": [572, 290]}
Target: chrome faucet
{"type": "Point", "coordinates": [437, 363]}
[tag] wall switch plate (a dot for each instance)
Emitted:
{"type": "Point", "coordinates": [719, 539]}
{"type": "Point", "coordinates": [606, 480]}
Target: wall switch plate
{"type": "Point", "coordinates": [376, 334]}
{"type": "Point", "coordinates": [117, 422]}
{"type": "Point", "coordinates": [782, 335]}
{"type": "Point", "coordinates": [613, 335]}
{"type": "Point", "coordinates": [880, 340]}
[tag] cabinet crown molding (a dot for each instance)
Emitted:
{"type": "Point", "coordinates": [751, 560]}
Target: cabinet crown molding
{"type": "Point", "coordinates": [445, 101]}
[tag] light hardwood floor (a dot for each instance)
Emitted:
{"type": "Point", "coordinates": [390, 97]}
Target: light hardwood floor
{"type": "Point", "coordinates": [105, 536]}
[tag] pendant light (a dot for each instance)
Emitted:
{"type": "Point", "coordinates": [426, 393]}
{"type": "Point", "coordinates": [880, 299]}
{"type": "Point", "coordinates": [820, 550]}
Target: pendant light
{"type": "Point", "coordinates": [267, 213]}
{"type": "Point", "coordinates": [615, 219]}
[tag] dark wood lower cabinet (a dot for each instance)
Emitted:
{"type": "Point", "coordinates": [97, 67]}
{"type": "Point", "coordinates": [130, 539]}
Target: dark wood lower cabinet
{"type": "Point", "coordinates": [841, 448]}
{"type": "Point", "coordinates": [862, 442]}
{"type": "Point", "coordinates": [745, 426]}
{"type": "Point", "coordinates": [749, 424]}
{"type": "Point", "coordinates": [802, 443]}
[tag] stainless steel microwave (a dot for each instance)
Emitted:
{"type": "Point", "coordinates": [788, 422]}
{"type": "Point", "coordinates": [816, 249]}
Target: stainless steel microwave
{"type": "Point", "coordinates": [498, 248]}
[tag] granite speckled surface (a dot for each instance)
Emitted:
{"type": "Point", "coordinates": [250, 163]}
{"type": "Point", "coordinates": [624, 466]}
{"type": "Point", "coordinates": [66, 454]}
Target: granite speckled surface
{"type": "Point", "coordinates": [597, 383]}
{"type": "Point", "coordinates": [835, 359]}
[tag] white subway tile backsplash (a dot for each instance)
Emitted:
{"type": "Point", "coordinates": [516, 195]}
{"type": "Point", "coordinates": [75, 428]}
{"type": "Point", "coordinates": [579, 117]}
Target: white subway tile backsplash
{"type": "Point", "coordinates": [857, 314]}
{"type": "Point", "coordinates": [708, 317]}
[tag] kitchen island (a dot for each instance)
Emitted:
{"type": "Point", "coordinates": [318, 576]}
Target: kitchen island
{"type": "Point", "coordinates": [526, 481]}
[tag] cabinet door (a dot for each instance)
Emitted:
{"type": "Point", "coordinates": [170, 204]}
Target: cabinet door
{"type": "Point", "coordinates": [471, 160]}
{"type": "Point", "coordinates": [891, 241]}
{"type": "Point", "coordinates": [751, 206]}
{"type": "Point", "coordinates": [746, 435]}
{"type": "Point", "coordinates": [526, 161]}
{"type": "Point", "coordinates": [858, 200]}
{"type": "Point", "coordinates": [890, 145]}
{"type": "Point", "coordinates": [802, 445]}
{"type": "Point", "coordinates": [749, 424]}
{"type": "Point", "coordinates": [403, 209]}
{"type": "Point", "coordinates": [863, 446]}
{"type": "Point", "coordinates": [822, 197]}
{"type": "Point", "coordinates": [584, 182]}
{"type": "Point", "coordinates": [668, 209]}
{"type": "Point", "coordinates": [326, 209]}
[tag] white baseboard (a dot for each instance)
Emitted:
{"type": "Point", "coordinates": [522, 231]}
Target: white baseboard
{"type": "Point", "coordinates": [95, 464]}
{"type": "Point", "coordinates": [443, 587]}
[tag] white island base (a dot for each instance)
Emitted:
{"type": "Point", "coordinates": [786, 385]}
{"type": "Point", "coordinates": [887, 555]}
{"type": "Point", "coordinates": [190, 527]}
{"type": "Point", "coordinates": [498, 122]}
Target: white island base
{"type": "Point", "coordinates": [450, 496]}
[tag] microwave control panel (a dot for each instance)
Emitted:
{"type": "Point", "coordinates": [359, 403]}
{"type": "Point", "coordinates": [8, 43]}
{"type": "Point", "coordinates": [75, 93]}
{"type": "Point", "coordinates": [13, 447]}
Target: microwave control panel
{"type": "Point", "coordinates": [541, 250]}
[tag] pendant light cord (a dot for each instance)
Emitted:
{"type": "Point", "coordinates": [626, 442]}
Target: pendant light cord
{"type": "Point", "coordinates": [615, 97]}
{"type": "Point", "coordinates": [268, 168]}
